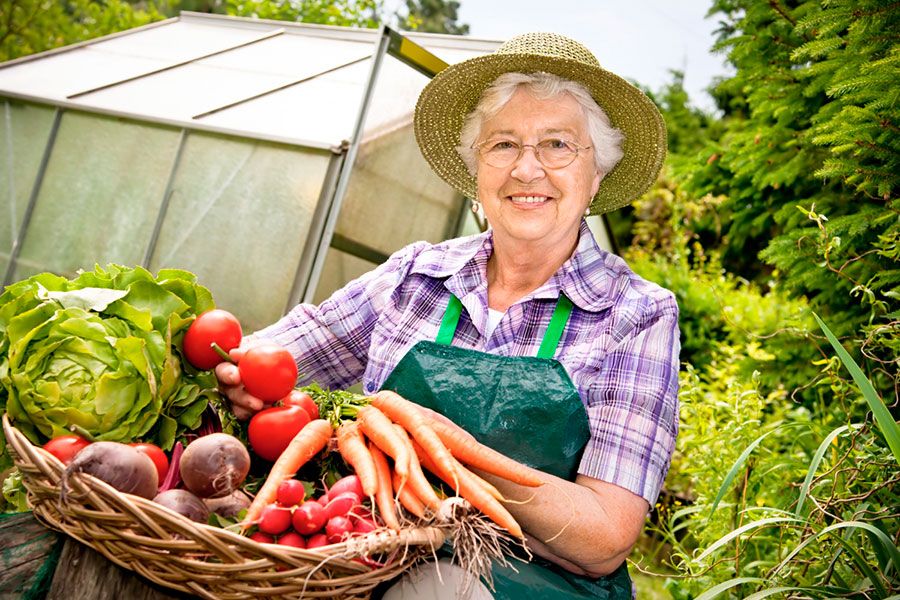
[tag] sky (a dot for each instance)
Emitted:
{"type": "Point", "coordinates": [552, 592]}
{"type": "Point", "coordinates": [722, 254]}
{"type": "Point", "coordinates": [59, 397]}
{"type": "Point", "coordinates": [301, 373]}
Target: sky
{"type": "Point", "coordinates": [640, 40]}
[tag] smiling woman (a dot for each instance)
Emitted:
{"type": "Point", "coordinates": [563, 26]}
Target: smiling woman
{"type": "Point", "coordinates": [528, 336]}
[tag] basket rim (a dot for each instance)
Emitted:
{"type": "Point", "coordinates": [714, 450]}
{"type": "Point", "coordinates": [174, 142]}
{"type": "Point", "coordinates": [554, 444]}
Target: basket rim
{"type": "Point", "coordinates": [240, 558]}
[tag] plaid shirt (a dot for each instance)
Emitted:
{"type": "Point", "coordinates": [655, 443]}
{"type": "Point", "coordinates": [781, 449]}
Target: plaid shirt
{"type": "Point", "coordinates": [620, 346]}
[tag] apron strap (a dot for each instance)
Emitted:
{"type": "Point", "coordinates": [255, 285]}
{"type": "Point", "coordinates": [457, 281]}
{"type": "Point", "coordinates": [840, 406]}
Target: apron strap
{"type": "Point", "coordinates": [555, 328]}
{"type": "Point", "coordinates": [551, 336]}
{"type": "Point", "coordinates": [449, 322]}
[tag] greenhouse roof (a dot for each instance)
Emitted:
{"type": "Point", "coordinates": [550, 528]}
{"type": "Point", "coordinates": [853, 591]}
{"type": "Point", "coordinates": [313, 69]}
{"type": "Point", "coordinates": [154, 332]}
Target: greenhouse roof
{"type": "Point", "coordinates": [273, 80]}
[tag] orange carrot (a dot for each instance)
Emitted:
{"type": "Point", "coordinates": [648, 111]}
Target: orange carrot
{"type": "Point", "coordinates": [384, 495]}
{"type": "Point", "coordinates": [379, 429]}
{"type": "Point", "coordinates": [428, 464]}
{"type": "Point", "coordinates": [352, 446]}
{"type": "Point", "coordinates": [308, 442]}
{"type": "Point", "coordinates": [418, 483]}
{"type": "Point", "coordinates": [406, 413]}
{"type": "Point", "coordinates": [408, 498]}
{"type": "Point", "coordinates": [467, 450]}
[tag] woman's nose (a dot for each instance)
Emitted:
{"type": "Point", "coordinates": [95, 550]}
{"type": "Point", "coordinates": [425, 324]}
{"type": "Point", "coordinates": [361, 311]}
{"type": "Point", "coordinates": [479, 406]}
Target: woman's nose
{"type": "Point", "coordinates": [527, 167]}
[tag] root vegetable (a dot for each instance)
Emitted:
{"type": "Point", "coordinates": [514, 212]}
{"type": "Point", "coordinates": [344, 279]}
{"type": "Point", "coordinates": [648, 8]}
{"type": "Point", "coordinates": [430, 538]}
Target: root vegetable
{"type": "Point", "coordinates": [184, 503]}
{"type": "Point", "coordinates": [119, 465]}
{"type": "Point", "coordinates": [228, 506]}
{"type": "Point", "coordinates": [214, 465]}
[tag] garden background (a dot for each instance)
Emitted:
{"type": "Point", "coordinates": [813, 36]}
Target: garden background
{"type": "Point", "coordinates": [778, 207]}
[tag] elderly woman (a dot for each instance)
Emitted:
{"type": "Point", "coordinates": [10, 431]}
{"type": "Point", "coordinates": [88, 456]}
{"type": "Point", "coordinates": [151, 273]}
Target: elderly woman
{"type": "Point", "coordinates": [529, 336]}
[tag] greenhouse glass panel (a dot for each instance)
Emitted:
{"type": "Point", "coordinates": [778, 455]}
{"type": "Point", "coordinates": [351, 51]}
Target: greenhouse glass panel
{"type": "Point", "coordinates": [26, 130]}
{"type": "Point", "coordinates": [100, 196]}
{"type": "Point", "coordinates": [393, 198]}
{"type": "Point", "coordinates": [238, 216]}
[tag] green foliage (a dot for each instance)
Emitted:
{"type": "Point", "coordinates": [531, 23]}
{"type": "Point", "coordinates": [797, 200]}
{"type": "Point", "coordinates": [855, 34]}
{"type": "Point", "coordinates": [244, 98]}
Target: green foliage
{"type": "Point", "coordinates": [348, 13]}
{"type": "Point", "coordinates": [745, 458]}
{"type": "Point", "coordinates": [433, 16]}
{"type": "Point", "coordinates": [30, 26]}
{"type": "Point", "coordinates": [812, 122]}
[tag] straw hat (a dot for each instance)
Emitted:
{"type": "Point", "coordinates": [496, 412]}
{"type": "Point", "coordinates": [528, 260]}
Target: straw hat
{"type": "Point", "coordinates": [454, 92]}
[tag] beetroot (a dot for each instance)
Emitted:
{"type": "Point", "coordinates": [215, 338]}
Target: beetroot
{"type": "Point", "coordinates": [228, 506]}
{"type": "Point", "coordinates": [184, 503]}
{"type": "Point", "coordinates": [214, 465]}
{"type": "Point", "coordinates": [121, 466]}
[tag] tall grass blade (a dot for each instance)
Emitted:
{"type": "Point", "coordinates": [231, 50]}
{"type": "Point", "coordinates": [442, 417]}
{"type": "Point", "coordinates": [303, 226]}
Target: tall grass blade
{"type": "Point", "coordinates": [875, 534]}
{"type": "Point", "coordinates": [814, 466]}
{"type": "Point", "coordinates": [735, 468]}
{"type": "Point", "coordinates": [829, 591]}
{"type": "Point", "coordinates": [883, 418]}
{"type": "Point", "coordinates": [727, 585]}
{"type": "Point", "coordinates": [743, 529]}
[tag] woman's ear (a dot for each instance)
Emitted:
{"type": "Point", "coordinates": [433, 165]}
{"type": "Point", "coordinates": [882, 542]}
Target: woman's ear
{"type": "Point", "coordinates": [595, 185]}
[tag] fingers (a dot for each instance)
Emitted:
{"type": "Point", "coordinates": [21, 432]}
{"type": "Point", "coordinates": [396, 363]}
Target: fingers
{"type": "Point", "coordinates": [243, 404]}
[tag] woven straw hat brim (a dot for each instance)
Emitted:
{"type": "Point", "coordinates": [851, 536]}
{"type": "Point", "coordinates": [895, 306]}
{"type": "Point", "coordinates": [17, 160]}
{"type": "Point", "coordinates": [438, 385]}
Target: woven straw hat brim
{"type": "Point", "coordinates": [455, 91]}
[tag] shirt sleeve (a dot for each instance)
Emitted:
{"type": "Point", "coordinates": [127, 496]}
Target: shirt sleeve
{"type": "Point", "coordinates": [330, 342]}
{"type": "Point", "coordinates": [633, 404]}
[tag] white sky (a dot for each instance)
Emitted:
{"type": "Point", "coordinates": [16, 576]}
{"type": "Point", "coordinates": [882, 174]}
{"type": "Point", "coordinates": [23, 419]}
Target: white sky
{"type": "Point", "coordinates": [640, 40]}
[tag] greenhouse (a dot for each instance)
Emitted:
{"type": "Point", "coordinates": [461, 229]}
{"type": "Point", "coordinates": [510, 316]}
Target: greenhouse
{"type": "Point", "coordinates": [275, 160]}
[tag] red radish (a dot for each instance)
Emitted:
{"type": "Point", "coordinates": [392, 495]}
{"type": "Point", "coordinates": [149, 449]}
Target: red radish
{"type": "Point", "coordinates": [323, 499]}
{"type": "Point", "coordinates": [316, 540]}
{"type": "Point", "coordinates": [341, 504]}
{"type": "Point", "coordinates": [350, 483]}
{"type": "Point", "coordinates": [363, 525]}
{"type": "Point", "coordinates": [262, 538]}
{"type": "Point", "coordinates": [309, 518]}
{"type": "Point", "coordinates": [274, 519]}
{"type": "Point", "coordinates": [290, 492]}
{"type": "Point", "coordinates": [214, 465]}
{"type": "Point", "coordinates": [337, 528]}
{"type": "Point", "coordinates": [292, 538]}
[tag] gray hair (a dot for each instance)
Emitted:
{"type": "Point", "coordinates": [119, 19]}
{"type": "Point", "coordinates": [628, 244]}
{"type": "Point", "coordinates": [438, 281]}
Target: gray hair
{"type": "Point", "coordinates": [606, 140]}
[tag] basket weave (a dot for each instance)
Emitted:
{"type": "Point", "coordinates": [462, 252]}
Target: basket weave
{"type": "Point", "coordinates": [199, 559]}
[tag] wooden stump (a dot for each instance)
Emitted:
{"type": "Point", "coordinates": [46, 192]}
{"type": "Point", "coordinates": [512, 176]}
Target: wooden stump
{"type": "Point", "coordinates": [84, 574]}
{"type": "Point", "coordinates": [25, 546]}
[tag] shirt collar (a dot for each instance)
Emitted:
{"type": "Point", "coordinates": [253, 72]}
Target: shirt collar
{"type": "Point", "coordinates": [586, 278]}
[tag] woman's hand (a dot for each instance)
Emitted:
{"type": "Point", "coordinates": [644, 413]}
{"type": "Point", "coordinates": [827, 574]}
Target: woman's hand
{"type": "Point", "coordinates": [243, 404]}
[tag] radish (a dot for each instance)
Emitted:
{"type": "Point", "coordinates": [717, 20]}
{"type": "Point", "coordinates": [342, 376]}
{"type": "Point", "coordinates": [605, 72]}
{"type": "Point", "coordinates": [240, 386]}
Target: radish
{"type": "Point", "coordinates": [274, 519]}
{"type": "Point", "coordinates": [119, 465]}
{"type": "Point", "coordinates": [350, 483]}
{"type": "Point", "coordinates": [309, 517]}
{"type": "Point", "coordinates": [214, 465]}
{"type": "Point", "coordinates": [262, 538]}
{"type": "Point", "coordinates": [316, 540]}
{"type": "Point", "coordinates": [341, 504]}
{"type": "Point", "coordinates": [290, 492]}
{"type": "Point", "coordinates": [293, 539]}
{"type": "Point", "coordinates": [337, 528]}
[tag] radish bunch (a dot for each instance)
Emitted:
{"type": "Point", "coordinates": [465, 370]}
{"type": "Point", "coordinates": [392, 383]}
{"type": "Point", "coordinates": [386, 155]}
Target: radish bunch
{"type": "Point", "coordinates": [301, 522]}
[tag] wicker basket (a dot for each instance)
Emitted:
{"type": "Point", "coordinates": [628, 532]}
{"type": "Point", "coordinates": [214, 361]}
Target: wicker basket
{"type": "Point", "coordinates": [199, 559]}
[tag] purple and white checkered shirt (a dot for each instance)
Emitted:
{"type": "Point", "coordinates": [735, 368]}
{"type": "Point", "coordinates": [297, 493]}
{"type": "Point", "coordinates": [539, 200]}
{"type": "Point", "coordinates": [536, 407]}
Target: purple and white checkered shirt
{"type": "Point", "coordinates": [620, 346]}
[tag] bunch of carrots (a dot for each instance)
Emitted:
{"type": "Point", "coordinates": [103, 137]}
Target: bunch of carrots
{"type": "Point", "coordinates": [390, 443]}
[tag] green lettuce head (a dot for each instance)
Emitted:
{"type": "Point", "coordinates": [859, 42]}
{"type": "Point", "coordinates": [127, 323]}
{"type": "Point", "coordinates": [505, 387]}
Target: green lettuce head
{"type": "Point", "coordinates": [102, 353]}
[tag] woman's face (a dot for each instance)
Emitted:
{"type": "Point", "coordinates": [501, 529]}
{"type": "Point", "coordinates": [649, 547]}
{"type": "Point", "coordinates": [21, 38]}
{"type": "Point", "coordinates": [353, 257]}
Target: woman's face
{"type": "Point", "coordinates": [527, 201]}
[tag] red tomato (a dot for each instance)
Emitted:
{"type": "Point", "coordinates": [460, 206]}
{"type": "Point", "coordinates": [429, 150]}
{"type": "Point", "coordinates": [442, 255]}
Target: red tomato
{"type": "Point", "coordinates": [272, 429]}
{"type": "Point", "coordinates": [156, 454]}
{"type": "Point", "coordinates": [304, 401]}
{"type": "Point", "coordinates": [268, 372]}
{"type": "Point", "coordinates": [217, 325]}
{"type": "Point", "coordinates": [290, 492]}
{"type": "Point", "coordinates": [65, 447]}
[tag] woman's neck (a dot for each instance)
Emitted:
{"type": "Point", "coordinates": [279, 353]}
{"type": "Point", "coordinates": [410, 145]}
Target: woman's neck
{"type": "Point", "coordinates": [515, 270]}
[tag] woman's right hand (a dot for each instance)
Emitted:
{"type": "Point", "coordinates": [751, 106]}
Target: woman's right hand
{"type": "Point", "coordinates": [243, 404]}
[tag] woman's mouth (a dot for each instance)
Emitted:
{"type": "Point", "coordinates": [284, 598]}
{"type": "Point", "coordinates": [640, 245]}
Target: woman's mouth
{"type": "Point", "coordinates": [529, 200]}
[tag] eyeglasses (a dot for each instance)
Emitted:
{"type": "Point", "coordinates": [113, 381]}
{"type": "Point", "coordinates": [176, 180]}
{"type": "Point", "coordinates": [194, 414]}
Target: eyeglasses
{"type": "Point", "coordinates": [553, 153]}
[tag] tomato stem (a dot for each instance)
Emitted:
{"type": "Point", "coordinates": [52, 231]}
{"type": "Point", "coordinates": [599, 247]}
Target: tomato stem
{"type": "Point", "coordinates": [81, 431]}
{"type": "Point", "coordinates": [222, 353]}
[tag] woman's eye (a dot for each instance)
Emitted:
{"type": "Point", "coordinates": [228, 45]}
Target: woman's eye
{"type": "Point", "coordinates": [555, 144]}
{"type": "Point", "coordinates": [503, 145]}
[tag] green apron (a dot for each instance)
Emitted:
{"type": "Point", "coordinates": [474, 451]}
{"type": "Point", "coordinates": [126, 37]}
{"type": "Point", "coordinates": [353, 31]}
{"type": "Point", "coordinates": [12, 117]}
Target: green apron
{"type": "Point", "coordinates": [525, 407]}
